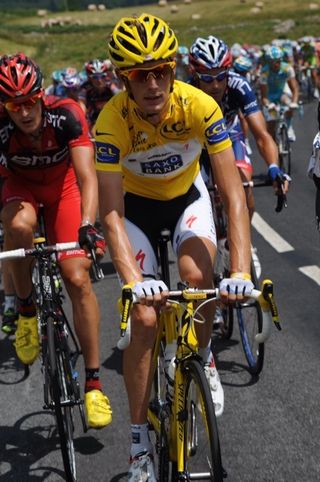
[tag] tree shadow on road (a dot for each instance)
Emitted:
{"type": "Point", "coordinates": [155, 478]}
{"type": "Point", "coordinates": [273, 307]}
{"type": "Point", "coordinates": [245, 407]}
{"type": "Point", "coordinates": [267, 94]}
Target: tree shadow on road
{"type": "Point", "coordinates": [12, 371]}
{"type": "Point", "coordinates": [30, 449]}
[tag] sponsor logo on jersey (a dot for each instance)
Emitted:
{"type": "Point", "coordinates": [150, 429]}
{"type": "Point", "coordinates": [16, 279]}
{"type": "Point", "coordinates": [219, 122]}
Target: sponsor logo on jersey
{"type": "Point", "coordinates": [40, 161]}
{"type": "Point", "coordinates": [217, 132]}
{"type": "Point", "coordinates": [162, 166]}
{"type": "Point", "coordinates": [107, 153]}
{"type": "Point", "coordinates": [5, 132]}
{"type": "Point", "coordinates": [139, 139]}
{"type": "Point", "coordinates": [172, 131]}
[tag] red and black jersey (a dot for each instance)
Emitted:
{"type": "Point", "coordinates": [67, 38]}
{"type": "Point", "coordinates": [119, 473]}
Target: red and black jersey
{"type": "Point", "coordinates": [64, 127]}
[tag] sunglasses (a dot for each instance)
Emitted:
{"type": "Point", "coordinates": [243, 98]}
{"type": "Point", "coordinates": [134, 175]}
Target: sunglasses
{"type": "Point", "coordinates": [100, 76]}
{"type": "Point", "coordinates": [28, 104]}
{"type": "Point", "coordinates": [210, 78]}
{"type": "Point", "coordinates": [159, 72]}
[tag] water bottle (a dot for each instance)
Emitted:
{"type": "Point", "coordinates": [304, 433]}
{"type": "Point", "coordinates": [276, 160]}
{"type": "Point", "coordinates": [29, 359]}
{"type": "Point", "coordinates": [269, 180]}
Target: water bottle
{"type": "Point", "coordinates": [170, 367]}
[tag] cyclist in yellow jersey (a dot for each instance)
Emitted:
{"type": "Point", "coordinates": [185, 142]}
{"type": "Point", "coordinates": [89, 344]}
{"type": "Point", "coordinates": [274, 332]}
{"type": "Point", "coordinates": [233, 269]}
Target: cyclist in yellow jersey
{"type": "Point", "coordinates": [148, 143]}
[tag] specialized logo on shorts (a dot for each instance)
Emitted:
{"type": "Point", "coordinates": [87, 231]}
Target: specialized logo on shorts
{"type": "Point", "coordinates": [162, 166]}
{"type": "Point", "coordinates": [217, 132]}
{"type": "Point", "coordinates": [140, 257]}
{"type": "Point", "coordinates": [107, 153]}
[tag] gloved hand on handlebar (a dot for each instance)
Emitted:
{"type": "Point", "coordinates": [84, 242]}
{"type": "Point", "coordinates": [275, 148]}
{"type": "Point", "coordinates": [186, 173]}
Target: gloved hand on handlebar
{"type": "Point", "coordinates": [237, 287]}
{"type": "Point", "coordinates": [275, 173]}
{"type": "Point", "coordinates": [90, 238]}
{"type": "Point", "coordinates": [271, 106]}
{"type": "Point", "coordinates": [150, 291]}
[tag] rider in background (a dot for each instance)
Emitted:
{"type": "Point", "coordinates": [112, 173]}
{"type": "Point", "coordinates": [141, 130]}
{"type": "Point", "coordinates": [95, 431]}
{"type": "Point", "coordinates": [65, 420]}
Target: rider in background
{"type": "Point", "coordinates": [278, 85]}
{"type": "Point", "coordinates": [47, 158]}
{"type": "Point", "coordinates": [71, 84]}
{"type": "Point", "coordinates": [182, 69]}
{"type": "Point", "coordinates": [210, 61]}
{"type": "Point", "coordinates": [55, 88]}
{"type": "Point", "coordinates": [309, 59]}
{"type": "Point", "coordinates": [314, 169]}
{"type": "Point", "coordinates": [243, 66]}
{"type": "Point", "coordinates": [101, 85]}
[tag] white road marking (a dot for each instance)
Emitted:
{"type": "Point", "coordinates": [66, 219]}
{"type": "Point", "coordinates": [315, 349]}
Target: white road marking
{"type": "Point", "coordinates": [269, 234]}
{"type": "Point", "coordinates": [312, 272]}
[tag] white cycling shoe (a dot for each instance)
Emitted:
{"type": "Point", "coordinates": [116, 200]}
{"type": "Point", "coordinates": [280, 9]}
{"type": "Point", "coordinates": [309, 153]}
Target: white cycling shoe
{"type": "Point", "coordinates": [141, 468]}
{"type": "Point", "coordinates": [216, 389]}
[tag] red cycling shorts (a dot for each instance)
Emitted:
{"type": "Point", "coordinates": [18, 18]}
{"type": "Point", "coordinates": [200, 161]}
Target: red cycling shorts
{"type": "Point", "coordinates": [62, 206]}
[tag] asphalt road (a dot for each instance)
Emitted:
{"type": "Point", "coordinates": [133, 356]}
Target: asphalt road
{"type": "Point", "coordinates": [270, 428]}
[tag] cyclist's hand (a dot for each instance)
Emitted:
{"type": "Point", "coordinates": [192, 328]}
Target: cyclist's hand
{"type": "Point", "coordinates": [293, 105]}
{"type": "Point", "coordinates": [236, 288]}
{"type": "Point", "coordinates": [276, 175]}
{"type": "Point", "coordinates": [89, 238]}
{"type": "Point", "coordinates": [271, 106]}
{"type": "Point", "coordinates": [151, 292]}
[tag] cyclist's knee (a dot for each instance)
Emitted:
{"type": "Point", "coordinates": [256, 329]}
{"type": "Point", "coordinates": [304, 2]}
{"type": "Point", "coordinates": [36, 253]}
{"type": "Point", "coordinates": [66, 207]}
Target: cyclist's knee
{"type": "Point", "coordinates": [76, 276]}
{"type": "Point", "coordinates": [143, 325]}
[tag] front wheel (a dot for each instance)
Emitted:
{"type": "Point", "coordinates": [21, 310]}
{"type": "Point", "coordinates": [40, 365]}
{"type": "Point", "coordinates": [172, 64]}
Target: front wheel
{"type": "Point", "coordinates": [61, 391]}
{"type": "Point", "coordinates": [202, 456]}
{"type": "Point", "coordinates": [250, 324]}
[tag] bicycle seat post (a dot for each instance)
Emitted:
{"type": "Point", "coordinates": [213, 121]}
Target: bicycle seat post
{"type": "Point", "coordinates": [163, 240]}
{"type": "Point", "coordinates": [41, 230]}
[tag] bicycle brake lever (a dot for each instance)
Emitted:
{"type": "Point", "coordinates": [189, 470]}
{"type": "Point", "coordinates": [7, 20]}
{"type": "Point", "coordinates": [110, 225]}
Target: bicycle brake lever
{"type": "Point", "coordinates": [97, 270]}
{"type": "Point", "coordinates": [281, 198]}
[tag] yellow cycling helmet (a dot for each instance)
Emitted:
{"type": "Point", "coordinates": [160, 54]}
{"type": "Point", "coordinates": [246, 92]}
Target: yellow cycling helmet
{"type": "Point", "coordinates": [135, 40]}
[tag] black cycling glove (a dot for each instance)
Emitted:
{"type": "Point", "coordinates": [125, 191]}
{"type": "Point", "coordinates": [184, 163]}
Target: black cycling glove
{"type": "Point", "coordinates": [90, 238]}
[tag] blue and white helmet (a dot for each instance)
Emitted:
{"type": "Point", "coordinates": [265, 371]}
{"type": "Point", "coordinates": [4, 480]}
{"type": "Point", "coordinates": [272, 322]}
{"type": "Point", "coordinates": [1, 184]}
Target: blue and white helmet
{"type": "Point", "coordinates": [209, 53]}
{"type": "Point", "coordinates": [242, 64]}
{"type": "Point", "coordinates": [274, 53]}
{"type": "Point", "coordinates": [71, 79]}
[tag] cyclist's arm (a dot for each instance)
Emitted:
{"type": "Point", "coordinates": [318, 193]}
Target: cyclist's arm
{"type": "Point", "coordinates": [294, 87]}
{"type": "Point", "coordinates": [266, 145]}
{"type": "Point", "coordinates": [111, 210]}
{"type": "Point", "coordinates": [83, 163]}
{"type": "Point", "coordinates": [264, 94]}
{"type": "Point", "coordinates": [228, 180]}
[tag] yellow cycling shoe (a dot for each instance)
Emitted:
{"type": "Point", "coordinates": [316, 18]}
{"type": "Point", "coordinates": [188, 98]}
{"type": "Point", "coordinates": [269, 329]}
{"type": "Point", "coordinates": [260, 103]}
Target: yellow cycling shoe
{"type": "Point", "coordinates": [98, 410]}
{"type": "Point", "coordinates": [27, 339]}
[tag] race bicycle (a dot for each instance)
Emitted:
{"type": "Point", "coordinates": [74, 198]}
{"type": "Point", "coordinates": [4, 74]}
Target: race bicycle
{"type": "Point", "coordinates": [249, 314]}
{"type": "Point", "coordinates": [59, 347]}
{"type": "Point", "coordinates": [181, 411]}
{"type": "Point", "coordinates": [277, 115]}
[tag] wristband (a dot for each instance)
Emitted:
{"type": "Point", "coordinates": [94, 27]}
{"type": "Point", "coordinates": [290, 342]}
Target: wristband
{"type": "Point", "coordinates": [85, 222]}
{"type": "Point", "coordinates": [130, 285]}
{"type": "Point", "coordinates": [245, 276]}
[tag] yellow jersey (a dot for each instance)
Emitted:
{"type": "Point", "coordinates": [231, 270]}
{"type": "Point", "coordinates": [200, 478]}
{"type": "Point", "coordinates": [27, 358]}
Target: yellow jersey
{"type": "Point", "coordinates": [162, 161]}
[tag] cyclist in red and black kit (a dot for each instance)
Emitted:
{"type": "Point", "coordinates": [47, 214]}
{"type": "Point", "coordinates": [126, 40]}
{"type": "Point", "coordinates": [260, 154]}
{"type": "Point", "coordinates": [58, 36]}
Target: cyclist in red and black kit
{"type": "Point", "coordinates": [46, 153]}
{"type": "Point", "coordinates": [102, 84]}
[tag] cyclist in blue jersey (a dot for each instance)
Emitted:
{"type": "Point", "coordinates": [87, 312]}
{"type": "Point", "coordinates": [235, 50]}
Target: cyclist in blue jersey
{"type": "Point", "coordinates": [210, 61]}
{"type": "Point", "coordinates": [278, 84]}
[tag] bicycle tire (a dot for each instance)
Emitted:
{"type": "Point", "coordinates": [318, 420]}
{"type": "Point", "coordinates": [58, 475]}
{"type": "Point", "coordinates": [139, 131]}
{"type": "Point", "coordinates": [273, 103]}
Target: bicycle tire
{"type": "Point", "coordinates": [60, 380]}
{"type": "Point", "coordinates": [202, 455]}
{"type": "Point", "coordinates": [284, 150]}
{"type": "Point", "coordinates": [226, 328]}
{"type": "Point", "coordinates": [249, 317]}
{"type": "Point", "coordinates": [160, 407]}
